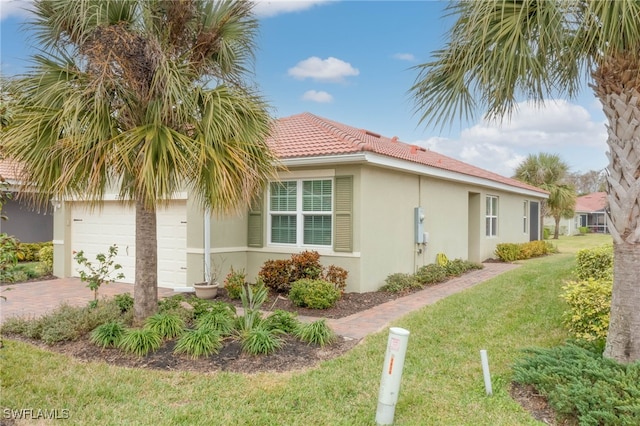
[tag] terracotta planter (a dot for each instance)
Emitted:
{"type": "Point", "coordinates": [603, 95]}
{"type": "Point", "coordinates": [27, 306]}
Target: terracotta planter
{"type": "Point", "coordinates": [206, 291]}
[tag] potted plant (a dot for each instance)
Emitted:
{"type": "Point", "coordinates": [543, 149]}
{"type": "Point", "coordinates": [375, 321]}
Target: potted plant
{"type": "Point", "coordinates": [208, 289]}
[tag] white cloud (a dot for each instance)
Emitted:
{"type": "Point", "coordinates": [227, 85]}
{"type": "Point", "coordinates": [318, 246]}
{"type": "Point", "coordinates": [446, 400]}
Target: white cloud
{"type": "Point", "coordinates": [315, 96]}
{"type": "Point", "coordinates": [405, 57]}
{"type": "Point", "coordinates": [330, 69]}
{"type": "Point", "coordinates": [14, 8]}
{"type": "Point", "coordinates": [268, 8]}
{"type": "Point", "coordinates": [557, 127]}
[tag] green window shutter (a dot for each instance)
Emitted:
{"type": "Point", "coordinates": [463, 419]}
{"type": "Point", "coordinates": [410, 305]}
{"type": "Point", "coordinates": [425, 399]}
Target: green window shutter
{"type": "Point", "coordinates": [343, 212]}
{"type": "Point", "coordinates": [255, 227]}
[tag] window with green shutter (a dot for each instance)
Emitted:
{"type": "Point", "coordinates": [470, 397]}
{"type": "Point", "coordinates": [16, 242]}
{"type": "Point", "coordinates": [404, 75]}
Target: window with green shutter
{"type": "Point", "coordinates": [301, 212]}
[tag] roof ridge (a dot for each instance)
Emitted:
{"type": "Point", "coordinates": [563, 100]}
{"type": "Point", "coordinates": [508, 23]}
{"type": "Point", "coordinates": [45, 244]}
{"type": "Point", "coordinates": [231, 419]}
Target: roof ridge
{"type": "Point", "coordinates": [330, 127]}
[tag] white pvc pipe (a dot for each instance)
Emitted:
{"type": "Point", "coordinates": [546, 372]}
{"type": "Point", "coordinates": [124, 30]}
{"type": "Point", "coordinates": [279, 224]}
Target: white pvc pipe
{"type": "Point", "coordinates": [391, 375]}
{"type": "Point", "coordinates": [207, 244]}
{"type": "Point", "coordinates": [485, 372]}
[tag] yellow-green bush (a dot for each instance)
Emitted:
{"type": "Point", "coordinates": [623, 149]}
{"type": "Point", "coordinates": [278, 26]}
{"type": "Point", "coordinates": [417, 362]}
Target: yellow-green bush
{"type": "Point", "coordinates": [589, 305]}
{"type": "Point", "coordinates": [509, 252]}
{"type": "Point", "coordinates": [29, 252]}
{"type": "Point", "coordinates": [46, 258]}
{"type": "Point", "coordinates": [596, 263]}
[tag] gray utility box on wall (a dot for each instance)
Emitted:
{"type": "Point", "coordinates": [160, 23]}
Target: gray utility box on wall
{"type": "Point", "coordinates": [418, 221]}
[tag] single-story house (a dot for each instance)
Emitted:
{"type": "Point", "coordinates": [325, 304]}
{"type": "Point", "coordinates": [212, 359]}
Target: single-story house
{"type": "Point", "coordinates": [365, 202]}
{"type": "Point", "coordinates": [590, 212]}
{"type": "Point", "coordinates": [26, 223]}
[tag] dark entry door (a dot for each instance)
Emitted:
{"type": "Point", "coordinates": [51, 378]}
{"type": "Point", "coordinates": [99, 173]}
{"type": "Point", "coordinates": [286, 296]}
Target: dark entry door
{"type": "Point", "coordinates": [534, 221]}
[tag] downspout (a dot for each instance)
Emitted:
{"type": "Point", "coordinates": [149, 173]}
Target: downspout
{"type": "Point", "coordinates": [207, 244]}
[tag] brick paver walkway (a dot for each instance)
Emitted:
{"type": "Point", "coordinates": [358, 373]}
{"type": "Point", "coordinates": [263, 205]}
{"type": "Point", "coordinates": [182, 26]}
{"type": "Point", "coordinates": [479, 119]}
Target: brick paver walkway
{"type": "Point", "coordinates": [359, 325]}
{"type": "Point", "coordinates": [36, 298]}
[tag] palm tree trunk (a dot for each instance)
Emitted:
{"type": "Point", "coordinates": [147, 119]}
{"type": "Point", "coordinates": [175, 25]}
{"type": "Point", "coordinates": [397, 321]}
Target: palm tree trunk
{"type": "Point", "coordinates": [556, 232]}
{"type": "Point", "coordinates": [145, 292]}
{"type": "Point", "coordinates": [623, 340]}
{"type": "Point", "coordinates": [616, 87]}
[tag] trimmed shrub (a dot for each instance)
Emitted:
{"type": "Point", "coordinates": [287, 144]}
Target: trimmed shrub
{"type": "Point", "coordinates": [337, 276]}
{"type": "Point", "coordinates": [305, 265]}
{"type": "Point", "coordinates": [596, 263]}
{"type": "Point", "coordinates": [30, 252]}
{"type": "Point", "coordinates": [124, 301]}
{"type": "Point", "coordinates": [589, 305]}
{"type": "Point", "coordinates": [8, 257]}
{"type": "Point", "coordinates": [431, 274]}
{"type": "Point", "coordinates": [46, 258]}
{"type": "Point", "coordinates": [399, 282]}
{"type": "Point", "coordinates": [314, 294]}
{"type": "Point", "coordinates": [282, 320]}
{"type": "Point", "coordinates": [508, 252]}
{"type": "Point", "coordinates": [233, 283]}
{"type": "Point", "coordinates": [458, 267]}
{"type": "Point", "coordinates": [276, 274]}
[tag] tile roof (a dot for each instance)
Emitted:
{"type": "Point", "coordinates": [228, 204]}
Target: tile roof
{"type": "Point", "coordinates": [307, 135]}
{"type": "Point", "coordinates": [9, 170]}
{"type": "Point", "coordinates": [594, 202]}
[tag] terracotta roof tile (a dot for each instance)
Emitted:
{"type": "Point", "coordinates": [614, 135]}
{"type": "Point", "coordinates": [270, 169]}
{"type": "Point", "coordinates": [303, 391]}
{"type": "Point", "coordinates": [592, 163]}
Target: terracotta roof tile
{"type": "Point", "coordinates": [307, 135]}
{"type": "Point", "coordinates": [594, 202]}
{"type": "Point", "coordinates": [9, 170]}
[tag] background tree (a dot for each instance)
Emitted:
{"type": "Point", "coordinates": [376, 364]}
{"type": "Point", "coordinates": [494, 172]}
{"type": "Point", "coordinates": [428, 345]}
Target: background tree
{"type": "Point", "coordinates": [548, 171]}
{"type": "Point", "coordinates": [499, 50]}
{"type": "Point", "coordinates": [149, 97]}
{"type": "Point", "coordinates": [588, 182]}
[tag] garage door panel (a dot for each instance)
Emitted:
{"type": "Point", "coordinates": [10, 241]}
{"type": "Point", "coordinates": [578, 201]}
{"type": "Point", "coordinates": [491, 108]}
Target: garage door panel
{"type": "Point", "coordinates": [94, 231]}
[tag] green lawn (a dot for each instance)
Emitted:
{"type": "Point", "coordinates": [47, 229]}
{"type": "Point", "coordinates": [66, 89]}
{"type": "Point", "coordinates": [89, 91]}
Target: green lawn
{"type": "Point", "coordinates": [442, 382]}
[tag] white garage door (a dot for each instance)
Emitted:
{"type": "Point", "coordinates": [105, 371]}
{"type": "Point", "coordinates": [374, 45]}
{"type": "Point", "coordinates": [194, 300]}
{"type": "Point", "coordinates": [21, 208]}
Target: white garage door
{"type": "Point", "coordinates": [94, 231]}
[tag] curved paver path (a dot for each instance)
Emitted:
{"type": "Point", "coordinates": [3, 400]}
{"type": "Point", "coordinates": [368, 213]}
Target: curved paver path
{"type": "Point", "coordinates": [36, 298]}
{"type": "Point", "coordinates": [359, 325]}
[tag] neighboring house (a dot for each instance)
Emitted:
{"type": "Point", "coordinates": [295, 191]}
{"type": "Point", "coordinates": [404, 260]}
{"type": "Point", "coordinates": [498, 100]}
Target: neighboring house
{"type": "Point", "coordinates": [590, 212]}
{"type": "Point", "coordinates": [26, 223]}
{"type": "Point", "coordinates": [367, 203]}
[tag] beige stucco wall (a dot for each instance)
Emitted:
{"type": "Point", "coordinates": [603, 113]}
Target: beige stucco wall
{"type": "Point", "coordinates": [383, 228]}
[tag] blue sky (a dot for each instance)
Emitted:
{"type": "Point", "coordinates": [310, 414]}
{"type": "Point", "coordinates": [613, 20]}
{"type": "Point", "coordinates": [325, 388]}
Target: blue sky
{"type": "Point", "coordinates": [352, 62]}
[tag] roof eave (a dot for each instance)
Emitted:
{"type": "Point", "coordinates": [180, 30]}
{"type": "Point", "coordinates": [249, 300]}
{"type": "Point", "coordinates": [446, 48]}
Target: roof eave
{"type": "Point", "coordinates": [408, 166]}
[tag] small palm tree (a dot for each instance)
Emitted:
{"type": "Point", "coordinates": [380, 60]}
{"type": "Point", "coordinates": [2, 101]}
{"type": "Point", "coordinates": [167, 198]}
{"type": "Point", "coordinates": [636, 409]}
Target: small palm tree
{"type": "Point", "coordinates": [499, 50]}
{"type": "Point", "coordinates": [149, 97]}
{"type": "Point", "coordinates": [548, 171]}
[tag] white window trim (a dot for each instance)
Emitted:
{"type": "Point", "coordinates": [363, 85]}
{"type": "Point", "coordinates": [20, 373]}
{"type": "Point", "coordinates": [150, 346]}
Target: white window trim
{"type": "Point", "coordinates": [490, 232]}
{"type": "Point", "coordinates": [525, 224]}
{"type": "Point", "coordinates": [300, 214]}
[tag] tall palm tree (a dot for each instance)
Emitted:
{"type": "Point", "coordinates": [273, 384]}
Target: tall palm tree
{"type": "Point", "coordinates": [149, 97]}
{"type": "Point", "coordinates": [499, 50]}
{"type": "Point", "coordinates": [548, 171]}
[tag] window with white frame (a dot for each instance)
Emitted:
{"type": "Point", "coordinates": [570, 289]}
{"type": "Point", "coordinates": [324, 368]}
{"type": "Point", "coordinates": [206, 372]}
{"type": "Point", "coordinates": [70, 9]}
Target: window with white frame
{"type": "Point", "coordinates": [300, 212]}
{"type": "Point", "coordinates": [492, 216]}
{"type": "Point", "coordinates": [525, 215]}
